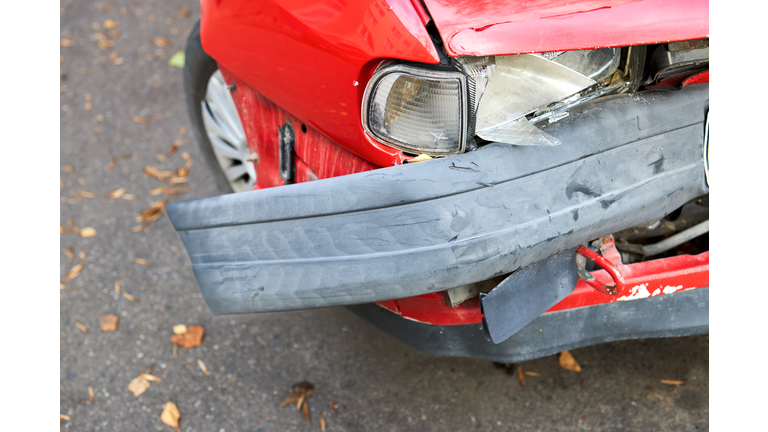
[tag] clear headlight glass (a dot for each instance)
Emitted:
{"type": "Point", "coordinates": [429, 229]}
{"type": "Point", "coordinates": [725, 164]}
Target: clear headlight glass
{"type": "Point", "coordinates": [417, 110]}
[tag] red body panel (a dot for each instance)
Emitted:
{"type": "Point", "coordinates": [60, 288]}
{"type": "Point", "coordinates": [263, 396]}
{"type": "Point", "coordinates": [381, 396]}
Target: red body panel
{"type": "Point", "coordinates": [487, 27]}
{"type": "Point", "coordinates": [313, 59]}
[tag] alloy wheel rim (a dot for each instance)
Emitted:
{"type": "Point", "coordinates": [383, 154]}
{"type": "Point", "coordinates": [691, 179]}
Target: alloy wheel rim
{"type": "Point", "coordinates": [226, 134]}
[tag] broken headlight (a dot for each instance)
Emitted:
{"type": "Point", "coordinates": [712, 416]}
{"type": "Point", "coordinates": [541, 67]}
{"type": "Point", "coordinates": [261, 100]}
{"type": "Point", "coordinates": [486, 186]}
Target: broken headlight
{"type": "Point", "coordinates": [439, 111]}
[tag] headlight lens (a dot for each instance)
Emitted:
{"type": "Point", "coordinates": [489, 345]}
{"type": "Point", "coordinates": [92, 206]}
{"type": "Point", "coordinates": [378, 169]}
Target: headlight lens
{"type": "Point", "coordinates": [417, 110]}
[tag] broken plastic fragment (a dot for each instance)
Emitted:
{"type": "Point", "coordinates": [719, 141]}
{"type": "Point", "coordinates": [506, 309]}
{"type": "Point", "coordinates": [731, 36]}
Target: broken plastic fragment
{"type": "Point", "coordinates": [518, 132]}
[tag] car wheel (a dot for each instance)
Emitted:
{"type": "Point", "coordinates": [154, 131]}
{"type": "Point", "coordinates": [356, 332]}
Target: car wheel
{"type": "Point", "coordinates": [215, 121]}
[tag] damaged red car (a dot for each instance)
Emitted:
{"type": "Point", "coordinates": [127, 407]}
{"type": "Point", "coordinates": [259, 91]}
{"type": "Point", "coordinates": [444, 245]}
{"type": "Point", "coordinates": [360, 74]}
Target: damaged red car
{"type": "Point", "coordinates": [503, 180]}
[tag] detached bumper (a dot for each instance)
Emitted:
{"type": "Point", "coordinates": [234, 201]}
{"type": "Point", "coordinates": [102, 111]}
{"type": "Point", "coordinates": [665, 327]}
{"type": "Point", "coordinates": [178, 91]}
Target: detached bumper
{"type": "Point", "coordinates": [425, 227]}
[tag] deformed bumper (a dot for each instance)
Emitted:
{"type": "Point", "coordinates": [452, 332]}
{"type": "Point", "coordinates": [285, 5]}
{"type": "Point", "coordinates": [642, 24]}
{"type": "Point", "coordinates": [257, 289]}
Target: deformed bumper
{"type": "Point", "coordinates": [426, 227]}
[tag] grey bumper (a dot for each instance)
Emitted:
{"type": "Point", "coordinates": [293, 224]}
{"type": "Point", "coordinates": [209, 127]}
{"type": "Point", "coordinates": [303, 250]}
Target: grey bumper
{"type": "Point", "coordinates": [425, 227]}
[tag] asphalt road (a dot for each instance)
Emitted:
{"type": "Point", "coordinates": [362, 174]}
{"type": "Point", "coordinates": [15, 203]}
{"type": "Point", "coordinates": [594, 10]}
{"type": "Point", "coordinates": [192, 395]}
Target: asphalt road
{"type": "Point", "coordinates": [253, 360]}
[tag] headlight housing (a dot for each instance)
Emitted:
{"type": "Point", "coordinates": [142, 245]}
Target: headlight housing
{"type": "Point", "coordinates": [417, 110]}
{"type": "Point", "coordinates": [438, 110]}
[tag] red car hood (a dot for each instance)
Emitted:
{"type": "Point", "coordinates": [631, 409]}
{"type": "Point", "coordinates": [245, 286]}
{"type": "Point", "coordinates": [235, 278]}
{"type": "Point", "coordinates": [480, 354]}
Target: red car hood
{"type": "Point", "coordinates": [498, 27]}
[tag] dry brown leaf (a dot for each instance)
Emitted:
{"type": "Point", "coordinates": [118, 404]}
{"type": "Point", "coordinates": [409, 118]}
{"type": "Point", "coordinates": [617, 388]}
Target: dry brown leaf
{"type": "Point", "coordinates": [81, 254]}
{"type": "Point", "coordinates": [182, 172]}
{"type": "Point", "coordinates": [68, 42]}
{"type": "Point", "coordinates": [81, 327]}
{"type": "Point", "coordinates": [160, 157]}
{"type": "Point", "coordinates": [533, 374]}
{"type": "Point", "coordinates": [91, 395]}
{"type": "Point", "coordinates": [171, 415]}
{"type": "Point", "coordinates": [117, 287]}
{"type": "Point", "coordinates": [675, 383]}
{"type": "Point", "coordinates": [108, 322]}
{"type": "Point", "coordinates": [151, 171]}
{"type": "Point", "coordinates": [333, 407]}
{"type": "Point", "coordinates": [70, 225]}
{"type": "Point", "coordinates": [567, 362]}
{"type": "Point", "coordinates": [140, 120]}
{"type": "Point", "coordinates": [306, 414]}
{"type": "Point", "coordinates": [86, 194]}
{"type": "Point", "coordinates": [155, 210]}
{"type": "Point", "coordinates": [63, 229]}
{"type": "Point", "coordinates": [69, 252]}
{"type": "Point", "coordinates": [64, 417]}
{"type": "Point", "coordinates": [111, 165]}
{"type": "Point", "coordinates": [157, 191]}
{"type": "Point", "coordinates": [168, 191]}
{"type": "Point", "coordinates": [178, 180]}
{"type": "Point", "coordinates": [61, 185]}
{"type": "Point", "coordinates": [64, 287]}
{"type": "Point", "coordinates": [81, 181]}
{"type": "Point", "coordinates": [109, 24]}
{"type": "Point", "coordinates": [192, 338]}
{"type": "Point", "coordinates": [88, 104]}
{"type": "Point", "coordinates": [141, 261]}
{"type": "Point", "coordinates": [88, 232]}
{"type": "Point", "coordinates": [71, 274]}
{"type": "Point", "coordinates": [116, 193]}
{"type": "Point", "coordinates": [77, 230]}
{"type": "Point", "coordinates": [322, 422]}
{"type": "Point", "coordinates": [129, 197]}
{"type": "Point", "coordinates": [184, 12]}
{"type": "Point", "coordinates": [202, 367]}
{"type": "Point", "coordinates": [161, 41]}
{"type": "Point", "coordinates": [69, 169]}
{"type": "Point", "coordinates": [106, 44]}
{"type": "Point", "coordinates": [179, 329]}
{"type": "Point", "coordinates": [129, 297]}
{"type": "Point", "coordinates": [149, 377]}
{"type": "Point", "coordinates": [138, 385]}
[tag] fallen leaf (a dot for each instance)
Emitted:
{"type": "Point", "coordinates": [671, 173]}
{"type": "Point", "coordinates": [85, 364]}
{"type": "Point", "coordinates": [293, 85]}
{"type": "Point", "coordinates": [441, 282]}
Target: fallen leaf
{"type": "Point", "coordinates": [567, 362]}
{"type": "Point", "coordinates": [91, 395]}
{"type": "Point", "coordinates": [333, 407]}
{"type": "Point", "coordinates": [68, 42]}
{"type": "Point", "coordinates": [160, 157]}
{"type": "Point", "coordinates": [161, 41]}
{"type": "Point", "coordinates": [81, 181]}
{"type": "Point", "coordinates": [64, 417]}
{"type": "Point", "coordinates": [138, 385]}
{"type": "Point", "coordinates": [533, 374]}
{"type": "Point", "coordinates": [64, 287]}
{"type": "Point", "coordinates": [69, 252]}
{"type": "Point", "coordinates": [151, 171]}
{"type": "Point", "coordinates": [108, 323]}
{"type": "Point", "coordinates": [88, 104]}
{"type": "Point", "coordinates": [182, 172]}
{"type": "Point", "coordinates": [63, 229]}
{"type": "Point", "coordinates": [192, 338]}
{"type": "Point", "coordinates": [117, 287]}
{"type": "Point", "coordinates": [306, 414]}
{"type": "Point", "coordinates": [179, 329]}
{"type": "Point", "coordinates": [178, 180]}
{"type": "Point", "coordinates": [202, 367]}
{"type": "Point", "coordinates": [141, 261]}
{"type": "Point", "coordinates": [116, 193]}
{"type": "Point", "coordinates": [171, 415]}
{"type": "Point", "coordinates": [106, 44]}
{"type": "Point", "coordinates": [129, 297]}
{"type": "Point", "coordinates": [675, 383]}
{"type": "Point", "coordinates": [184, 12]}
{"type": "Point", "coordinates": [129, 197]}
{"type": "Point", "coordinates": [168, 191]}
{"type": "Point", "coordinates": [149, 377]}
{"type": "Point", "coordinates": [322, 422]}
{"type": "Point", "coordinates": [521, 377]}
{"type": "Point", "coordinates": [86, 194]}
{"type": "Point", "coordinates": [88, 232]}
{"type": "Point", "coordinates": [81, 327]}
{"type": "Point", "coordinates": [71, 274]}
{"type": "Point", "coordinates": [140, 120]}
{"type": "Point", "coordinates": [177, 60]}
{"type": "Point", "coordinates": [109, 24]}
{"type": "Point", "coordinates": [69, 169]}
{"type": "Point", "coordinates": [61, 185]}
{"type": "Point", "coordinates": [81, 254]}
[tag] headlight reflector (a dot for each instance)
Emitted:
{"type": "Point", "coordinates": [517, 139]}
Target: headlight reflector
{"type": "Point", "coordinates": [417, 110]}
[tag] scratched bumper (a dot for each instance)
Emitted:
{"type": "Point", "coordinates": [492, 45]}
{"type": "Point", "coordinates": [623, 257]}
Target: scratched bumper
{"type": "Point", "coordinates": [426, 227]}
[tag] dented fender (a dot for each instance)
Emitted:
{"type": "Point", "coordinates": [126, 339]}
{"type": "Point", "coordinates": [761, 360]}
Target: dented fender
{"type": "Point", "coordinates": [429, 226]}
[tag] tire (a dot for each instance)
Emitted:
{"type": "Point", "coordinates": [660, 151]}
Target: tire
{"type": "Point", "coordinates": [216, 125]}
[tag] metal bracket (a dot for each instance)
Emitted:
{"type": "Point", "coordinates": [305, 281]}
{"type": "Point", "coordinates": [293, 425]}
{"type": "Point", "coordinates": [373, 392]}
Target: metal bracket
{"type": "Point", "coordinates": [287, 143]}
{"type": "Point", "coordinates": [610, 260]}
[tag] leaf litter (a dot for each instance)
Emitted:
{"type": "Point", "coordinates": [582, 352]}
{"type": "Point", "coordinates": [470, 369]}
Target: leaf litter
{"type": "Point", "coordinates": [171, 415]}
{"type": "Point", "coordinates": [202, 367]}
{"type": "Point", "coordinates": [192, 338]}
{"type": "Point", "coordinates": [82, 327]}
{"type": "Point", "coordinates": [675, 383]}
{"type": "Point", "coordinates": [73, 272]}
{"type": "Point", "coordinates": [108, 322]}
{"type": "Point", "coordinates": [301, 392]}
{"type": "Point", "coordinates": [69, 252]}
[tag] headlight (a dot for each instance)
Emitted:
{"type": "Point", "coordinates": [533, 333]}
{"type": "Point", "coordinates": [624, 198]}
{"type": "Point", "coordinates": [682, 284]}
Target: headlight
{"type": "Point", "coordinates": [417, 110]}
{"type": "Point", "coordinates": [438, 111]}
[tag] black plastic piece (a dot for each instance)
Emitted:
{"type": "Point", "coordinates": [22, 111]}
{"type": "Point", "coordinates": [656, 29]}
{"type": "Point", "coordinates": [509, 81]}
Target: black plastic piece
{"type": "Point", "coordinates": [526, 294]}
{"type": "Point", "coordinates": [684, 313]}
{"type": "Point", "coordinates": [287, 143]}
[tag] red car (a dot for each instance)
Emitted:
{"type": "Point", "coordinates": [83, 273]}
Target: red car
{"type": "Point", "coordinates": [503, 180]}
